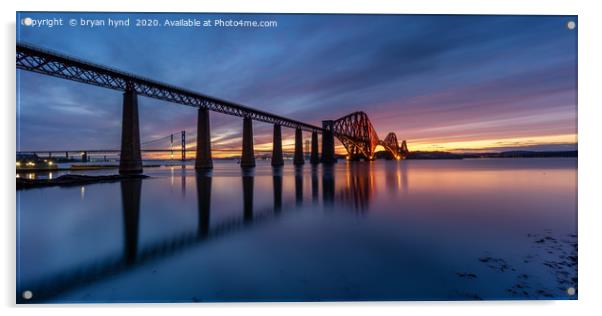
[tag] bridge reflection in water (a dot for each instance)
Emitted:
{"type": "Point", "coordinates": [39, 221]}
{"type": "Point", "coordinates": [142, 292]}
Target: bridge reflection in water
{"type": "Point", "coordinates": [354, 194]}
{"type": "Point", "coordinates": [130, 199]}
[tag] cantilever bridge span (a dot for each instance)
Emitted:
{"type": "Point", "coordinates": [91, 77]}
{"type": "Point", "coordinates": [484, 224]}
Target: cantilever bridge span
{"type": "Point", "coordinates": [355, 131]}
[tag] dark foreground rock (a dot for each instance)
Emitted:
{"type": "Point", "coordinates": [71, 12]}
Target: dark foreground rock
{"type": "Point", "coordinates": [72, 180]}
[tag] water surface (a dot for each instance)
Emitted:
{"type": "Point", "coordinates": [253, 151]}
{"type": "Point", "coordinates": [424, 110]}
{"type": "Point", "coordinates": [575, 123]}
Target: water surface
{"type": "Point", "coordinates": [386, 230]}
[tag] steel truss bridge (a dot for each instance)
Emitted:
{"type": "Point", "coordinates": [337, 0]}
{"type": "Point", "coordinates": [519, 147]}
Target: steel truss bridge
{"type": "Point", "coordinates": [355, 130]}
{"type": "Point", "coordinates": [360, 139]}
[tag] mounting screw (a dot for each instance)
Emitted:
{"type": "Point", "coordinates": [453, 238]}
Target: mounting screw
{"type": "Point", "coordinates": [571, 25]}
{"type": "Point", "coordinates": [570, 291]}
{"type": "Point", "coordinates": [27, 295]}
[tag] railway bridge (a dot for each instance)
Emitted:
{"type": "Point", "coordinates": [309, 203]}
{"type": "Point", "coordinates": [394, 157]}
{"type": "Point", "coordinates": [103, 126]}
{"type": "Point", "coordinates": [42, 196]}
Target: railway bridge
{"type": "Point", "coordinates": [355, 131]}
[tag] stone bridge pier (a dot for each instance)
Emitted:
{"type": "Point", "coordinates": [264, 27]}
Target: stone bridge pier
{"type": "Point", "coordinates": [298, 159]}
{"type": "Point", "coordinates": [130, 161]}
{"type": "Point", "coordinates": [328, 156]}
{"type": "Point", "coordinates": [203, 141]}
{"type": "Point", "coordinates": [277, 159]}
{"type": "Point", "coordinates": [248, 155]}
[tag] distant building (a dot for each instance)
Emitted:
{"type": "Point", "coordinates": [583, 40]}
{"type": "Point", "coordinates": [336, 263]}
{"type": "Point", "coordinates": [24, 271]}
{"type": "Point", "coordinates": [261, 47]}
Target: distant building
{"type": "Point", "coordinates": [33, 161]}
{"type": "Point", "coordinates": [27, 157]}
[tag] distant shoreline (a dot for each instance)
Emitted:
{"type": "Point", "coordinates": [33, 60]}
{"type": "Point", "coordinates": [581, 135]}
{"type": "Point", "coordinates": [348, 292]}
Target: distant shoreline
{"type": "Point", "coordinates": [505, 154]}
{"type": "Point", "coordinates": [418, 155]}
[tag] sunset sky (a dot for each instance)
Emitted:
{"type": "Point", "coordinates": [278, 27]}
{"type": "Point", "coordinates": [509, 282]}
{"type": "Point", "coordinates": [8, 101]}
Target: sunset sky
{"type": "Point", "coordinates": [454, 83]}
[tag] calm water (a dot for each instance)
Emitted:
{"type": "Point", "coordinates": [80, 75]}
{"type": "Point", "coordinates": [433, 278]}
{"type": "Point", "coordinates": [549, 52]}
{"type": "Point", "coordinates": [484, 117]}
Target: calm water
{"type": "Point", "coordinates": [387, 230]}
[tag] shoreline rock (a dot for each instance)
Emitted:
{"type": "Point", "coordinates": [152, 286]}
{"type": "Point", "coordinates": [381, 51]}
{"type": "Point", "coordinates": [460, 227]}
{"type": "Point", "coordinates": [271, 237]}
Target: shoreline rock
{"type": "Point", "coordinates": [73, 180]}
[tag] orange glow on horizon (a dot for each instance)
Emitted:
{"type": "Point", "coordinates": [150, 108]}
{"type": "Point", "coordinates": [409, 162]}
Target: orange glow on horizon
{"type": "Point", "coordinates": [421, 145]}
{"type": "Point", "coordinates": [492, 144]}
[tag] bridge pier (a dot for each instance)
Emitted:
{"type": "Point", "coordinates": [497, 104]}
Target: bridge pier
{"type": "Point", "coordinates": [277, 159]}
{"type": "Point", "coordinates": [328, 142]}
{"type": "Point", "coordinates": [203, 141]}
{"type": "Point", "coordinates": [298, 159]}
{"type": "Point", "coordinates": [130, 160]}
{"type": "Point", "coordinates": [314, 159]}
{"type": "Point", "coordinates": [248, 156]}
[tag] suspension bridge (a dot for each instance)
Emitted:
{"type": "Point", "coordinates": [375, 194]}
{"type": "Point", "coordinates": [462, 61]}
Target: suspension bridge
{"type": "Point", "coordinates": [354, 131]}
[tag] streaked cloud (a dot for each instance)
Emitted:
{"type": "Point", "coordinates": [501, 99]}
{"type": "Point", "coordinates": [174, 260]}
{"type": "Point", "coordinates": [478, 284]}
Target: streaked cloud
{"type": "Point", "coordinates": [441, 82]}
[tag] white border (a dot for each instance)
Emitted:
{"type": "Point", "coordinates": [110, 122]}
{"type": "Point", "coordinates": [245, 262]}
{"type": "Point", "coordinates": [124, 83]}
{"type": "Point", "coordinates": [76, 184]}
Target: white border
{"type": "Point", "coordinates": [590, 153]}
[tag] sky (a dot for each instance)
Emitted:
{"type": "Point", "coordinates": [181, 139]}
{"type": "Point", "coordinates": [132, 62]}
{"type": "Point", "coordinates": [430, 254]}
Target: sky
{"type": "Point", "coordinates": [441, 82]}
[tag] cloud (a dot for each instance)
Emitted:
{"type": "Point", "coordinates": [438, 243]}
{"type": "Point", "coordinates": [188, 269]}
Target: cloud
{"type": "Point", "coordinates": [423, 77]}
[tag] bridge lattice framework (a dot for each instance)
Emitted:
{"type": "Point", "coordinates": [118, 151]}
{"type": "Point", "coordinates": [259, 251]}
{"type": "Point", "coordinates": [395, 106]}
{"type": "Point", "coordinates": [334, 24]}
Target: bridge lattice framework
{"type": "Point", "coordinates": [355, 130]}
